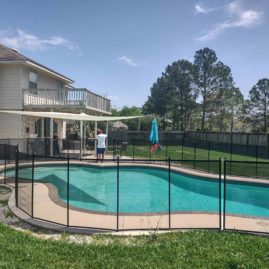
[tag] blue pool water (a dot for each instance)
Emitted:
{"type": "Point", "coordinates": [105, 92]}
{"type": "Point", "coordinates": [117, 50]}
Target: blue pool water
{"type": "Point", "coordinates": [145, 190]}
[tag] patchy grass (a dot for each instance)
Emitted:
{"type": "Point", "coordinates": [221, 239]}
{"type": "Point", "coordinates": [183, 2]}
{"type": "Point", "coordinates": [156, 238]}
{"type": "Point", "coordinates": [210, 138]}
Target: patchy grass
{"type": "Point", "coordinates": [3, 202]}
{"type": "Point", "coordinates": [195, 249]}
{"type": "Point", "coordinates": [4, 190]}
{"type": "Point", "coordinates": [9, 214]}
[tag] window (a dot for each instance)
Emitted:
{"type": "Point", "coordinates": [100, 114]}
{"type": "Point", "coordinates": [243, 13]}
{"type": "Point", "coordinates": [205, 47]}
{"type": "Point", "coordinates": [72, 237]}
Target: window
{"type": "Point", "coordinates": [38, 128]}
{"type": "Point", "coordinates": [60, 85]}
{"type": "Point", "coordinates": [60, 94]}
{"type": "Point", "coordinates": [33, 82]}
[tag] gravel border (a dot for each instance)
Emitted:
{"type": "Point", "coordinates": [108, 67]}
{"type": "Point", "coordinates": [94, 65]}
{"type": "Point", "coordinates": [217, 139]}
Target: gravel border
{"type": "Point", "coordinates": [8, 218]}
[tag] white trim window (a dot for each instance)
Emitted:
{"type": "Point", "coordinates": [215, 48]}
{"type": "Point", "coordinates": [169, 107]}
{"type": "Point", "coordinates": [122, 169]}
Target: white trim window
{"type": "Point", "coordinates": [33, 82]}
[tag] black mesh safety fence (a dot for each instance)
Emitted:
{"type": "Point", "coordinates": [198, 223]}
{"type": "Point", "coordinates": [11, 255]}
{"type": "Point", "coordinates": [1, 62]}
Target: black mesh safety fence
{"type": "Point", "coordinates": [195, 198]}
{"type": "Point", "coordinates": [50, 189]}
{"type": "Point", "coordinates": [246, 192]}
{"type": "Point", "coordinates": [125, 193]}
{"type": "Point", "coordinates": [92, 194]}
{"type": "Point", "coordinates": [8, 160]}
{"type": "Point", "coordinates": [23, 183]}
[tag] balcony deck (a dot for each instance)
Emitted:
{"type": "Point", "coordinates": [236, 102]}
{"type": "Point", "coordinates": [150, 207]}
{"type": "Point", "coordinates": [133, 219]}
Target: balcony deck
{"type": "Point", "coordinates": [65, 100]}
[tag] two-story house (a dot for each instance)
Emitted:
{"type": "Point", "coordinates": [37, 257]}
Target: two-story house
{"type": "Point", "coordinates": [26, 85]}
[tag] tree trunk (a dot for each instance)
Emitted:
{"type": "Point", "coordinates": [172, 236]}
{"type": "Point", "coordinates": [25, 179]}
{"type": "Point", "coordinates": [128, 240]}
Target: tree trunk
{"type": "Point", "coordinates": [163, 123]}
{"type": "Point", "coordinates": [265, 115]}
{"type": "Point", "coordinates": [203, 118]}
{"type": "Point", "coordinates": [232, 120]}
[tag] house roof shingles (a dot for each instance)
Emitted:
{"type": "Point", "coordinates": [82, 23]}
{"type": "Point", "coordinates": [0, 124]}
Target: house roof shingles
{"type": "Point", "coordinates": [11, 55]}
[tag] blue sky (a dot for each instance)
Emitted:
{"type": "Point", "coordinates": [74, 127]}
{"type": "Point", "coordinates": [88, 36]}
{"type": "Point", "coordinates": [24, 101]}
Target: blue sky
{"type": "Point", "coordinates": [120, 47]}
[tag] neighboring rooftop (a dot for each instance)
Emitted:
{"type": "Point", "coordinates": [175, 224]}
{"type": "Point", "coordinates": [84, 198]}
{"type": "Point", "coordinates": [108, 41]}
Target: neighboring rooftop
{"type": "Point", "coordinates": [11, 55]}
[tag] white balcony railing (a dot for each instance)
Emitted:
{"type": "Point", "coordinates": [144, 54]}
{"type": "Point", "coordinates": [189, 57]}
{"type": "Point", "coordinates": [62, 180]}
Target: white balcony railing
{"type": "Point", "coordinates": [65, 98]}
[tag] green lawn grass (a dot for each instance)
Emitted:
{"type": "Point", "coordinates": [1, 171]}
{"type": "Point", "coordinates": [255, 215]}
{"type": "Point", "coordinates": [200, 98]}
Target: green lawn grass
{"type": "Point", "coordinates": [195, 249]}
{"type": "Point", "coordinates": [190, 153]}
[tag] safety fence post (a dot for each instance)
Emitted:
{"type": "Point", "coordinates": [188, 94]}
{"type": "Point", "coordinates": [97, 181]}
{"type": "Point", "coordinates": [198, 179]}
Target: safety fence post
{"type": "Point", "coordinates": [256, 166]}
{"type": "Point", "coordinates": [182, 146]}
{"type": "Point", "coordinates": [208, 158]}
{"type": "Point", "coordinates": [166, 149]}
{"type": "Point", "coordinates": [118, 179]}
{"type": "Point", "coordinates": [68, 191]}
{"type": "Point", "coordinates": [150, 150]}
{"type": "Point", "coordinates": [194, 156]}
{"type": "Point", "coordinates": [133, 150]}
{"type": "Point", "coordinates": [27, 146]}
{"type": "Point", "coordinates": [5, 158]}
{"type": "Point", "coordinates": [169, 192]}
{"type": "Point", "coordinates": [220, 226]}
{"type": "Point", "coordinates": [224, 193]}
{"type": "Point", "coordinates": [16, 175]}
{"type": "Point", "coordinates": [33, 176]}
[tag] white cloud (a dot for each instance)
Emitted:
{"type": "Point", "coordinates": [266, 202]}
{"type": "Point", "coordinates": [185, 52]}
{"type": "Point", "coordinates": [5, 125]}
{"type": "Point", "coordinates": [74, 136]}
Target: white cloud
{"type": "Point", "coordinates": [127, 60]}
{"type": "Point", "coordinates": [199, 8]}
{"type": "Point", "coordinates": [239, 17]}
{"type": "Point", "coordinates": [20, 39]}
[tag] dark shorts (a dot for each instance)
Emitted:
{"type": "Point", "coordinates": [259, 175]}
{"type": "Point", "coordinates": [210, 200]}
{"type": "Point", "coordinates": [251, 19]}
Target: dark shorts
{"type": "Point", "coordinates": [101, 150]}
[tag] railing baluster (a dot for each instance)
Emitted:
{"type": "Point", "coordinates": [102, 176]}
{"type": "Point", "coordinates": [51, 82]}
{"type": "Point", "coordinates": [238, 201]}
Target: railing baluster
{"type": "Point", "coordinates": [64, 97]}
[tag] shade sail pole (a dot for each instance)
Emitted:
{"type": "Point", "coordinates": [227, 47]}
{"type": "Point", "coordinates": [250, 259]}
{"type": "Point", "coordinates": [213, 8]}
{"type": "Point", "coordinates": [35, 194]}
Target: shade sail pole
{"type": "Point", "coordinates": [95, 136]}
{"type": "Point", "coordinates": [107, 134]}
{"type": "Point", "coordinates": [51, 137]}
{"type": "Point", "coordinates": [81, 137]}
{"type": "Point", "coordinates": [84, 137]}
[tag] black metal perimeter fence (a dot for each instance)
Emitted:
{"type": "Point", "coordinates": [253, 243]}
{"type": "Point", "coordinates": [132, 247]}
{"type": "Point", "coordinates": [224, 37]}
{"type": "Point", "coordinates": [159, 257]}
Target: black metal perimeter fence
{"type": "Point", "coordinates": [139, 194]}
{"type": "Point", "coordinates": [136, 145]}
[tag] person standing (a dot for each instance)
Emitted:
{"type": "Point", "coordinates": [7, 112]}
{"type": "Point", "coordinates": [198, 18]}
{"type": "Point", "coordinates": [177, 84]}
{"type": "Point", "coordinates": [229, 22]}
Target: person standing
{"type": "Point", "coordinates": [101, 145]}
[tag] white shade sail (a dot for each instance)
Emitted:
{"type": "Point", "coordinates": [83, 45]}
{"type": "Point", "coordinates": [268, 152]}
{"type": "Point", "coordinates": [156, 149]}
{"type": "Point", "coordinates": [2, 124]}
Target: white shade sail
{"type": "Point", "coordinates": [68, 116]}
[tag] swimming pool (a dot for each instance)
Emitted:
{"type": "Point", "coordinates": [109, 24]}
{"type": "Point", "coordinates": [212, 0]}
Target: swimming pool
{"type": "Point", "coordinates": [144, 190]}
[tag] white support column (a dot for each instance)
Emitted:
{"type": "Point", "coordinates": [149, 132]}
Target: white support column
{"type": "Point", "coordinates": [107, 134]}
{"type": "Point", "coordinates": [51, 136]}
{"type": "Point", "coordinates": [95, 135]}
{"type": "Point", "coordinates": [81, 137]}
{"type": "Point", "coordinates": [84, 136]}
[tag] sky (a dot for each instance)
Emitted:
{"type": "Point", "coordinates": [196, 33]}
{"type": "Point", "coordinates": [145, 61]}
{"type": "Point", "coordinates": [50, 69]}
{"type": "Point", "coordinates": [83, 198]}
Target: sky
{"type": "Point", "coordinates": [119, 48]}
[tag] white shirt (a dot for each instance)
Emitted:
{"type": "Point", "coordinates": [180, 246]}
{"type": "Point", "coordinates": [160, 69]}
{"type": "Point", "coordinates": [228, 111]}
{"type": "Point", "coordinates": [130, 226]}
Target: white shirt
{"type": "Point", "coordinates": [101, 140]}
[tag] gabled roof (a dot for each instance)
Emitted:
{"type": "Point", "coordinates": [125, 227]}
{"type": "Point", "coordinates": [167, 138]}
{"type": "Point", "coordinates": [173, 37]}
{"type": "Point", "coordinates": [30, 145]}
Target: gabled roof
{"type": "Point", "coordinates": [11, 55]}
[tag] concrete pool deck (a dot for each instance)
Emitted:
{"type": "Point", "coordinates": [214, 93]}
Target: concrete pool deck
{"type": "Point", "coordinates": [48, 209]}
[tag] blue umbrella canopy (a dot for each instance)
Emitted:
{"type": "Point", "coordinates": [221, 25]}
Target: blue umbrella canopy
{"type": "Point", "coordinates": [154, 137]}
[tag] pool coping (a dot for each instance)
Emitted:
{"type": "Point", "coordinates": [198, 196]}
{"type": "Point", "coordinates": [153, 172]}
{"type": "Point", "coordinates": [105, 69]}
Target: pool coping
{"type": "Point", "coordinates": [62, 228]}
{"type": "Point", "coordinates": [187, 171]}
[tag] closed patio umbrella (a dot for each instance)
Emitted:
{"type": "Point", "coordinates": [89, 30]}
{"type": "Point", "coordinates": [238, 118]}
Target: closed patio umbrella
{"type": "Point", "coordinates": [154, 137]}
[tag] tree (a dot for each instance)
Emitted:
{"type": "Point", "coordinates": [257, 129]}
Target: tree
{"type": "Point", "coordinates": [133, 124]}
{"type": "Point", "coordinates": [210, 76]}
{"type": "Point", "coordinates": [235, 105]}
{"type": "Point", "coordinates": [259, 101]}
{"type": "Point", "coordinates": [182, 97]}
{"type": "Point", "coordinates": [158, 102]}
{"type": "Point", "coordinates": [228, 105]}
{"type": "Point", "coordinates": [172, 95]}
